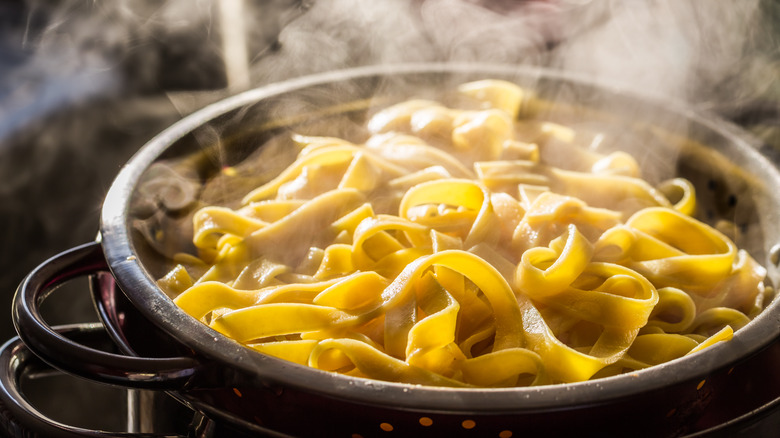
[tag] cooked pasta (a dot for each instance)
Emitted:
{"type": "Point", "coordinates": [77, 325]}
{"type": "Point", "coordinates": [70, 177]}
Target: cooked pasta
{"type": "Point", "coordinates": [444, 251]}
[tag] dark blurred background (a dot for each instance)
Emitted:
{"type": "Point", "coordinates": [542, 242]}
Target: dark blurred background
{"type": "Point", "coordinates": [84, 84]}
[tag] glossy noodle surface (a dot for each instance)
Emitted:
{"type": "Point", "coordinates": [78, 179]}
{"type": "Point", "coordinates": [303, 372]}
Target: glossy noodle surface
{"type": "Point", "coordinates": [445, 251]}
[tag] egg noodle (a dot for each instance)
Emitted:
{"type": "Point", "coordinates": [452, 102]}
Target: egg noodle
{"type": "Point", "coordinates": [444, 251]}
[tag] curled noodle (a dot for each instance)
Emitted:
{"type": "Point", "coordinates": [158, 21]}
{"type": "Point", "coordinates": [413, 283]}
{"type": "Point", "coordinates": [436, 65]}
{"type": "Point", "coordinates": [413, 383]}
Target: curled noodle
{"type": "Point", "coordinates": [444, 252]}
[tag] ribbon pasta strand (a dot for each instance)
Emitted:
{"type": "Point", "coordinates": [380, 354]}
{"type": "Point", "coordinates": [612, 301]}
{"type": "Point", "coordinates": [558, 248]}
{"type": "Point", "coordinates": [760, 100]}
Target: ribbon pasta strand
{"type": "Point", "coordinates": [457, 247]}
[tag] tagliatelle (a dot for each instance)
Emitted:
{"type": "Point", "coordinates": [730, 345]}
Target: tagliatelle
{"type": "Point", "coordinates": [444, 250]}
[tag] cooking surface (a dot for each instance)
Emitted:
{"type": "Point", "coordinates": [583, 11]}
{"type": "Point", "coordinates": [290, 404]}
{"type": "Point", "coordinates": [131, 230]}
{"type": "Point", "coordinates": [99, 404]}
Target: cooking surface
{"type": "Point", "coordinates": [84, 85]}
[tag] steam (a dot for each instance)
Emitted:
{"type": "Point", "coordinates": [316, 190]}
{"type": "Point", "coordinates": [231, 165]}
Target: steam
{"type": "Point", "coordinates": [703, 52]}
{"type": "Point", "coordinates": [72, 51]}
{"type": "Point", "coordinates": [679, 49]}
{"type": "Point", "coordinates": [348, 33]}
{"type": "Point", "coordinates": [61, 68]}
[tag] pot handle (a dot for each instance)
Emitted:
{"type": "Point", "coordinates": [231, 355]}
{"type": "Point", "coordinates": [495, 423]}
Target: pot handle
{"type": "Point", "coordinates": [173, 373]}
{"type": "Point", "coordinates": [18, 417]}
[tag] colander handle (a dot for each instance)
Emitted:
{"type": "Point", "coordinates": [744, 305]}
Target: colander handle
{"type": "Point", "coordinates": [173, 373]}
{"type": "Point", "coordinates": [19, 417]}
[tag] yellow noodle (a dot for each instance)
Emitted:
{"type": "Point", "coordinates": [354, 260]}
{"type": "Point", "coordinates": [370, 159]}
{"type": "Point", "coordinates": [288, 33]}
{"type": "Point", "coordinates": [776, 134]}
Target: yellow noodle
{"type": "Point", "coordinates": [445, 250]}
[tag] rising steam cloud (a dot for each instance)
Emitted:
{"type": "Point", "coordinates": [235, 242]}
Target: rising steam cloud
{"type": "Point", "coordinates": [685, 49]}
{"type": "Point", "coordinates": [348, 33]}
{"type": "Point", "coordinates": [707, 53]}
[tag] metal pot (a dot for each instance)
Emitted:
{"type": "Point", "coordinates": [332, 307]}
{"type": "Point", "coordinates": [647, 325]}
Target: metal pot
{"type": "Point", "coordinates": [166, 349]}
